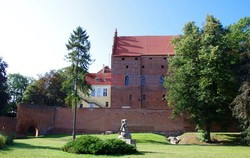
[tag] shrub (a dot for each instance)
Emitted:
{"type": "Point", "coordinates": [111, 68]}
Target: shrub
{"type": "Point", "coordinates": [116, 146]}
{"type": "Point", "coordinates": [202, 135]}
{"type": "Point", "coordinates": [2, 141]}
{"type": "Point", "coordinates": [9, 139]}
{"type": "Point", "coordinates": [94, 145]}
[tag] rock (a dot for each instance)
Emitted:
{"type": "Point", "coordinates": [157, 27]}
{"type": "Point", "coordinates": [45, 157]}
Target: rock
{"type": "Point", "coordinates": [108, 132]}
{"type": "Point", "coordinates": [174, 140]}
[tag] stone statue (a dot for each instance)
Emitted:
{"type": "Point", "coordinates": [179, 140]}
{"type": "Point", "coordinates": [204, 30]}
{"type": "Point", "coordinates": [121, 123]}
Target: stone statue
{"type": "Point", "coordinates": [124, 134]}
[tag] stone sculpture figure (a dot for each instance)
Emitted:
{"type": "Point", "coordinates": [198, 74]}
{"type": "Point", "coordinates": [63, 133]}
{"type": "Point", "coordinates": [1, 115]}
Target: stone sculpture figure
{"type": "Point", "coordinates": [123, 132]}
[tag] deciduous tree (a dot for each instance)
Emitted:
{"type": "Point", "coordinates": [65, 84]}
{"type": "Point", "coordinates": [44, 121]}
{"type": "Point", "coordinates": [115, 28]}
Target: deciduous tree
{"type": "Point", "coordinates": [201, 81]}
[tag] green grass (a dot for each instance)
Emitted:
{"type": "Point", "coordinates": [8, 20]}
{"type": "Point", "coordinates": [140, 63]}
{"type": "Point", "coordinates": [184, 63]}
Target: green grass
{"type": "Point", "coordinates": [149, 145]}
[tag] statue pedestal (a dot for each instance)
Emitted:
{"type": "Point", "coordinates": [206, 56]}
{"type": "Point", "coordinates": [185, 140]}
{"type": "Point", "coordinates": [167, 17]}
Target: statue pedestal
{"type": "Point", "coordinates": [130, 141]}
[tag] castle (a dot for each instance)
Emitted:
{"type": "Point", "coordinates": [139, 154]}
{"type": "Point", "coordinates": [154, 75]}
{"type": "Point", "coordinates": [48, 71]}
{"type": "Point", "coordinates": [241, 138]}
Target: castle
{"type": "Point", "coordinates": [133, 91]}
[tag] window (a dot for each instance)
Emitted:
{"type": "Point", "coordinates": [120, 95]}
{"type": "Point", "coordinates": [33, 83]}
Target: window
{"type": "Point", "coordinates": [161, 80]}
{"type": "Point", "coordinates": [162, 66]}
{"type": "Point", "coordinates": [126, 66]}
{"type": "Point", "coordinates": [92, 93]}
{"type": "Point", "coordinates": [126, 80]}
{"type": "Point", "coordinates": [130, 97]}
{"type": "Point", "coordinates": [81, 105]}
{"type": "Point", "coordinates": [142, 66]}
{"type": "Point", "coordinates": [144, 97]}
{"type": "Point", "coordinates": [99, 92]}
{"type": "Point", "coordinates": [105, 92]}
{"type": "Point", "coordinates": [142, 80]}
{"type": "Point", "coordinates": [150, 58]}
{"type": "Point", "coordinates": [136, 58]}
{"type": "Point", "coordinates": [107, 104]}
{"type": "Point", "coordinates": [123, 58]}
{"type": "Point", "coordinates": [165, 58]}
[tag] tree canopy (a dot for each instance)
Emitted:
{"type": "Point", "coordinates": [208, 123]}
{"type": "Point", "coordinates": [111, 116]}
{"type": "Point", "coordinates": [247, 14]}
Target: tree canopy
{"type": "Point", "coordinates": [201, 81]}
{"type": "Point", "coordinates": [17, 84]}
{"type": "Point", "coordinates": [47, 90]}
{"type": "Point", "coordinates": [4, 96]}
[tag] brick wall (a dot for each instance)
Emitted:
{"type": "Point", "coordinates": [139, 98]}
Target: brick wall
{"type": "Point", "coordinates": [151, 67]}
{"type": "Point", "coordinates": [41, 117]}
{"type": "Point", "coordinates": [7, 125]}
{"type": "Point", "coordinates": [59, 120]}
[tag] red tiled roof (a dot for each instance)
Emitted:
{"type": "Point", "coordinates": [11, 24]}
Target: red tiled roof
{"type": "Point", "coordinates": [143, 45]}
{"type": "Point", "coordinates": [100, 78]}
{"type": "Point", "coordinates": [106, 69]}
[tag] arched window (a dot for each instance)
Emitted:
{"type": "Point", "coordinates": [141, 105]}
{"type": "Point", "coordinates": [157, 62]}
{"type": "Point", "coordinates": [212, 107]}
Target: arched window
{"type": "Point", "coordinates": [161, 80]}
{"type": "Point", "coordinates": [126, 80]}
{"type": "Point", "coordinates": [142, 80]}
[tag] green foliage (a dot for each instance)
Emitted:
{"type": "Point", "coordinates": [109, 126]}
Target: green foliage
{"type": "Point", "coordinates": [9, 139]}
{"type": "Point", "coordinates": [47, 90]}
{"type": "Point", "coordinates": [116, 146]}
{"type": "Point", "coordinates": [17, 84]}
{"type": "Point", "coordinates": [2, 141]}
{"type": "Point", "coordinates": [202, 135]}
{"type": "Point", "coordinates": [6, 140]}
{"type": "Point", "coordinates": [94, 145]}
{"type": "Point", "coordinates": [201, 81]}
{"type": "Point", "coordinates": [4, 96]}
{"type": "Point", "coordinates": [80, 59]}
{"type": "Point", "coordinates": [239, 36]}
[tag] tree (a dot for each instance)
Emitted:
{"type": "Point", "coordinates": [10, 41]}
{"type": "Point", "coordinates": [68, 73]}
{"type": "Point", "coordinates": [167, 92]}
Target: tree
{"type": "Point", "coordinates": [240, 38]}
{"type": "Point", "coordinates": [4, 97]}
{"type": "Point", "coordinates": [80, 59]}
{"type": "Point", "coordinates": [200, 80]}
{"type": "Point", "coordinates": [47, 90]}
{"type": "Point", "coordinates": [17, 84]}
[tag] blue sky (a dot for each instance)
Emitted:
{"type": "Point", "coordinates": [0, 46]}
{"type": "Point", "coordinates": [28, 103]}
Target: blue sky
{"type": "Point", "coordinates": [33, 33]}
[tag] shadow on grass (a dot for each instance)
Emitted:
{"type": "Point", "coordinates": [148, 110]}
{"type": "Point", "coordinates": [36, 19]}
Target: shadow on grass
{"type": "Point", "coordinates": [231, 140]}
{"type": "Point", "coordinates": [18, 145]}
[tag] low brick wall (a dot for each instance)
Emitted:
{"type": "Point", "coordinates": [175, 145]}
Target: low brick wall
{"type": "Point", "coordinates": [7, 125]}
{"type": "Point", "coordinates": [59, 120]}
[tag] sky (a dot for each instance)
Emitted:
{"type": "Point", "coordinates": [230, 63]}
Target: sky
{"type": "Point", "coordinates": [33, 33]}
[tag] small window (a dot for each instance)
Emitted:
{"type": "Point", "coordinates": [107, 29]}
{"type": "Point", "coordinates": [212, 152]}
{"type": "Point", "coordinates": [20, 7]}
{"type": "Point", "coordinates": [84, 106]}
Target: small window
{"type": "Point", "coordinates": [99, 92]}
{"type": "Point", "coordinates": [126, 66]}
{"type": "Point", "coordinates": [136, 58]}
{"type": "Point", "coordinates": [150, 58]}
{"type": "Point", "coordinates": [130, 97]}
{"type": "Point", "coordinates": [123, 58]}
{"type": "Point", "coordinates": [162, 66]}
{"type": "Point", "coordinates": [161, 80]}
{"type": "Point", "coordinates": [105, 92]}
{"type": "Point", "coordinates": [92, 93]}
{"type": "Point", "coordinates": [142, 80]}
{"type": "Point", "coordinates": [142, 66]}
{"type": "Point", "coordinates": [81, 105]}
{"type": "Point", "coordinates": [126, 80]}
{"type": "Point", "coordinates": [107, 104]}
{"type": "Point", "coordinates": [165, 58]}
{"type": "Point", "coordinates": [143, 97]}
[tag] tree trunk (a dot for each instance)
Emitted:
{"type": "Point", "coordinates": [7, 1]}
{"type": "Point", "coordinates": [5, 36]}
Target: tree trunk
{"type": "Point", "coordinates": [74, 112]}
{"type": "Point", "coordinates": [207, 134]}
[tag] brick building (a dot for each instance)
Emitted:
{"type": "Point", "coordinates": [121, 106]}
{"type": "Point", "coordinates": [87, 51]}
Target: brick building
{"type": "Point", "coordinates": [139, 65]}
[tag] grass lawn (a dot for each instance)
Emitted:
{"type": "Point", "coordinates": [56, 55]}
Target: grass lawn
{"type": "Point", "coordinates": [149, 145]}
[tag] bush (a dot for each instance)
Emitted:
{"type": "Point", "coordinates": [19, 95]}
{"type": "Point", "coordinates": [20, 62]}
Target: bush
{"type": "Point", "coordinates": [9, 140]}
{"type": "Point", "coordinates": [116, 146]}
{"type": "Point", "coordinates": [2, 141]}
{"type": "Point", "coordinates": [202, 135]}
{"type": "Point", "coordinates": [94, 145]}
